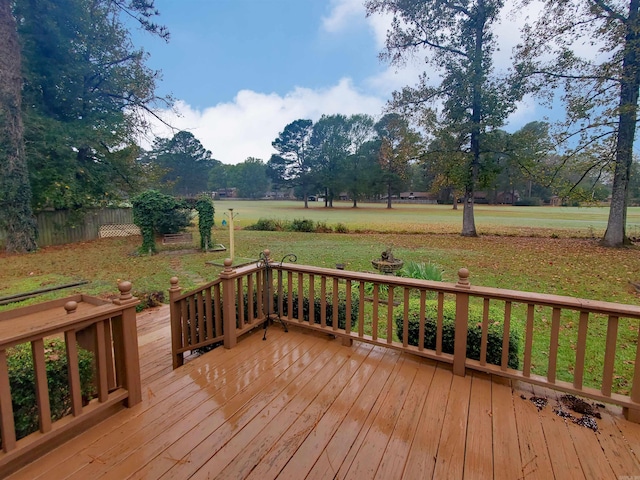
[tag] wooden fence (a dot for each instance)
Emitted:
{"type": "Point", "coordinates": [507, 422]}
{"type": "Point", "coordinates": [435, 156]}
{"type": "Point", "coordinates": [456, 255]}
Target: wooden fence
{"type": "Point", "coordinates": [63, 226]}
{"type": "Point", "coordinates": [568, 344]}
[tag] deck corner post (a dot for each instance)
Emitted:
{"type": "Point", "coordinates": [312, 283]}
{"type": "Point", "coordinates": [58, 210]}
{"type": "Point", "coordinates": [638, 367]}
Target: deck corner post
{"type": "Point", "coordinates": [229, 320]}
{"type": "Point", "coordinates": [129, 336]}
{"type": "Point", "coordinates": [631, 414]}
{"type": "Point", "coordinates": [176, 328]}
{"type": "Point", "coordinates": [462, 322]}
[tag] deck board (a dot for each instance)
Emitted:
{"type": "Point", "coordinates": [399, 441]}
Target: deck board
{"type": "Point", "coordinates": [301, 405]}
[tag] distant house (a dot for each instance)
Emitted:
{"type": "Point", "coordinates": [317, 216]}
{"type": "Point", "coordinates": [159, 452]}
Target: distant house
{"type": "Point", "coordinates": [226, 193]}
{"type": "Point", "coordinates": [425, 197]}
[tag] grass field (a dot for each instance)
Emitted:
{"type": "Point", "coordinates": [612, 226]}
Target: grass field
{"type": "Point", "coordinates": [537, 249]}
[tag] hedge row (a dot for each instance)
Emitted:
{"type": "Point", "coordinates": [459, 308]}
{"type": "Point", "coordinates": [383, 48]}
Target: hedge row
{"type": "Point", "coordinates": [296, 225]}
{"type": "Point", "coordinates": [22, 382]}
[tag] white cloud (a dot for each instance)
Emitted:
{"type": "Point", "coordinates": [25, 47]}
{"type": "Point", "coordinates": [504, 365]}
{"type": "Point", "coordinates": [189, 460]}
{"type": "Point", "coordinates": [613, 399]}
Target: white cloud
{"type": "Point", "coordinates": [246, 126]}
{"type": "Point", "coordinates": [342, 14]}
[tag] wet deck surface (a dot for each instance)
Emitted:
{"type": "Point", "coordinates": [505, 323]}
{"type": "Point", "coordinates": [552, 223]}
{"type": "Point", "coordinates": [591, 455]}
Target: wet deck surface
{"type": "Point", "coordinates": [300, 405]}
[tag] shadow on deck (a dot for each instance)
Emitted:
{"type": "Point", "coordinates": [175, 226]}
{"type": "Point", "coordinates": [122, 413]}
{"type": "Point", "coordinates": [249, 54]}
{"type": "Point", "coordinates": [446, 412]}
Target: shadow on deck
{"type": "Point", "coordinates": [301, 405]}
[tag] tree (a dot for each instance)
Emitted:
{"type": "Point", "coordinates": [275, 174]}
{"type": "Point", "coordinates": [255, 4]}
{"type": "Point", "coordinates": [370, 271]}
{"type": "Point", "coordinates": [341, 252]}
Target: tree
{"type": "Point", "coordinates": [359, 167]}
{"type": "Point", "coordinates": [601, 93]}
{"type": "Point", "coordinates": [15, 192]}
{"type": "Point", "coordinates": [460, 44]}
{"type": "Point", "coordinates": [399, 145]}
{"type": "Point", "coordinates": [186, 162]}
{"type": "Point", "coordinates": [330, 144]}
{"type": "Point", "coordinates": [292, 166]}
{"type": "Point", "coordinates": [249, 178]}
{"type": "Point", "coordinates": [84, 89]}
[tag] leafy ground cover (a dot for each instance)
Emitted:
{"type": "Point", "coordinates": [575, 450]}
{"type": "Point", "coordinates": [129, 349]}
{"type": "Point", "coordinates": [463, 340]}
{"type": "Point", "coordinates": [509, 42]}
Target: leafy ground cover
{"type": "Point", "coordinates": [558, 256]}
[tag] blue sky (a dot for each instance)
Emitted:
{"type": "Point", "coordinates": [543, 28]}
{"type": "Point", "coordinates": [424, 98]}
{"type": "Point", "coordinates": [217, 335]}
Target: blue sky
{"type": "Point", "coordinates": [241, 70]}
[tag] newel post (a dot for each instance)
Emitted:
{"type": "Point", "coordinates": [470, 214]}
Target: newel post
{"type": "Point", "coordinates": [462, 322]}
{"type": "Point", "coordinates": [229, 304]}
{"type": "Point", "coordinates": [176, 323]}
{"type": "Point", "coordinates": [127, 358]}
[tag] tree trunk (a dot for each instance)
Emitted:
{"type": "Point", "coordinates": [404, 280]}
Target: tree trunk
{"type": "Point", "coordinates": [16, 217]}
{"type": "Point", "coordinates": [306, 200]}
{"type": "Point", "coordinates": [468, 219]}
{"type": "Point", "coordinates": [615, 235]}
{"type": "Point", "coordinates": [389, 195]}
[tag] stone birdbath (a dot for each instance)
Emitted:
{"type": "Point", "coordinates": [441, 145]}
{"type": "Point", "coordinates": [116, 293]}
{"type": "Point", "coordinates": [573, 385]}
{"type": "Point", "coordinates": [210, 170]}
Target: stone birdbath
{"type": "Point", "coordinates": [387, 263]}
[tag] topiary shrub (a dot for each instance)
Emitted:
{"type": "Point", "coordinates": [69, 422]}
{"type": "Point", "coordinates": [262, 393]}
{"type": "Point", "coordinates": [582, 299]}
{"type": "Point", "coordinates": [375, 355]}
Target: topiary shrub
{"type": "Point", "coordinates": [205, 209]}
{"type": "Point", "coordinates": [22, 383]}
{"type": "Point", "coordinates": [157, 213]}
{"type": "Point", "coordinates": [474, 331]}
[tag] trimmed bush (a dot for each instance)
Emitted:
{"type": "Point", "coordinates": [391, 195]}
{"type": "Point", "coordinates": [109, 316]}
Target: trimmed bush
{"type": "Point", "coordinates": [22, 382]}
{"type": "Point", "coordinates": [341, 228]}
{"type": "Point", "coordinates": [474, 332]}
{"type": "Point", "coordinates": [264, 225]}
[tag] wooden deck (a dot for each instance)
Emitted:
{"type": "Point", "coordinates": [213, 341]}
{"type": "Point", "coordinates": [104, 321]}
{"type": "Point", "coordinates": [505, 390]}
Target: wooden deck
{"type": "Point", "coordinates": [300, 405]}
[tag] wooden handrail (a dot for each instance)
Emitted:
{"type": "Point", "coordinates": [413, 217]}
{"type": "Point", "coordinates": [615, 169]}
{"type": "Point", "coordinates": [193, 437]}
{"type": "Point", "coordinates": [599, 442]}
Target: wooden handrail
{"type": "Point", "coordinates": [332, 296]}
{"type": "Point", "coordinates": [107, 329]}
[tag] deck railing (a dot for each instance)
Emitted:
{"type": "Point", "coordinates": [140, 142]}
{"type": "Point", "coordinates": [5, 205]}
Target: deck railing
{"type": "Point", "coordinates": [108, 329]}
{"type": "Point", "coordinates": [569, 344]}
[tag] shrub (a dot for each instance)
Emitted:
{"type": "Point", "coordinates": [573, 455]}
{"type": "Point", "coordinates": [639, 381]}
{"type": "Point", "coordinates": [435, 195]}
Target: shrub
{"type": "Point", "coordinates": [421, 271]}
{"type": "Point", "coordinates": [474, 331]}
{"type": "Point", "coordinates": [22, 383]}
{"type": "Point", "coordinates": [341, 228]}
{"type": "Point", "coordinates": [322, 227]}
{"type": "Point", "coordinates": [149, 299]}
{"type": "Point", "coordinates": [265, 225]}
{"type": "Point", "coordinates": [302, 225]}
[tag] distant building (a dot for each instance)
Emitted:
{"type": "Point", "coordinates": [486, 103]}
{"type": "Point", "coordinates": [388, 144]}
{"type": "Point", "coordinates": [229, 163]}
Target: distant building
{"type": "Point", "coordinates": [423, 197]}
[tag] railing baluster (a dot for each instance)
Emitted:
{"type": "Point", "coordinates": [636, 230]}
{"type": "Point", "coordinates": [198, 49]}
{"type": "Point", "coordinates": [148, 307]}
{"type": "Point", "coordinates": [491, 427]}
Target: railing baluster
{"type": "Point", "coordinates": [312, 299]}
{"type": "Point", "coordinates": [528, 340]}
{"type": "Point", "coordinates": [581, 350]}
{"type": "Point", "coordinates": [421, 326]}
{"type": "Point", "coordinates": [202, 334]}
{"type": "Point", "coordinates": [101, 362]}
{"type": "Point", "coordinates": [74, 372]}
{"type": "Point", "coordinates": [376, 300]}
{"type": "Point", "coordinates": [335, 312]}
{"type": "Point", "coordinates": [439, 325]}
{"type": "Point", "coordinates": [7, 426]}
{"type": "Point", "coordinates": [261, 300]}
{"type": "Point", "coordinates": [506, 329]}
{"type": "Point", "coordinates": [553, 345]}
{"type": "Point", "coordinates": [42, 390]}
{"type": "Point", "coordinates": [218, 309]}
{"type": "Point", "coordinates": [185, 321]}
{"type": "Point", "coordinates": [609, 355]}
{"type": "Point", "coordinates": [208, 302]}
{"type": "Point", "coordinates": [290, 295]}
{"type": "Point", "coordinates": [323, 302]}
{"type": "Point", "coordinates": [193, 320]}
{"type": "Point", "coordinates": [347, 324]}
{"type": "Point", "coordinates": [280, 295]}
{"type": "Point", "coordinates": [485, 332]}
{"type": "Point", "coordinates": [405, 319]}
{"type": "Point", "coordinates": [390, 316]}
{"type": "Point", "coordinates": [240, 299]}
{"type": "Point", "coordinates": [300, 298]}
{"type": "Point", "coordinates": [250, 298]}
{"type": "Point", "coordinates": [361, 310]}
